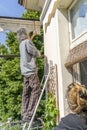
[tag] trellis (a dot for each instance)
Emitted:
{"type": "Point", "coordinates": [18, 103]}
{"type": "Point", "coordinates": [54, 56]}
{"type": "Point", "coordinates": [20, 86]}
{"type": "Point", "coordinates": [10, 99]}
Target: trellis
{"type": "Point", "coordinates": [53, 83]}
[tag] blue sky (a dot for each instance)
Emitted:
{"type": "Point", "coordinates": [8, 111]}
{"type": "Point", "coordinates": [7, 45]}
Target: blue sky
{"type": "Point", "coordinates": [10, 8]}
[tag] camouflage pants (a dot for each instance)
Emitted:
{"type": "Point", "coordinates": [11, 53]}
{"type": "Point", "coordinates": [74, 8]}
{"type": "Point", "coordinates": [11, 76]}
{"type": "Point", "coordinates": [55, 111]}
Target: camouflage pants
{"type": "Point", "coordinates": [31, 92]}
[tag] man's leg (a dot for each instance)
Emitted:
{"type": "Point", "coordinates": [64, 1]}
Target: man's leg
{"type": "Point", "coordinates": [35, 93]}
{"type": "Point", "coordinates": [25, 98]}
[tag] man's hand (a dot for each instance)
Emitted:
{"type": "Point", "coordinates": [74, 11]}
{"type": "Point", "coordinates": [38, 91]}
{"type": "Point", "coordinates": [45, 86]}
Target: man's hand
{"type": "Point", "coordinates": [34, 33]}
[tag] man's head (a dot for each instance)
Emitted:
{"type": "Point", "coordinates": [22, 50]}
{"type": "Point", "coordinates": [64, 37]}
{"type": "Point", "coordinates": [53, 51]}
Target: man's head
{"type": "Point", "coordinates": [77, 97]}
{"type": "Point", "coordinates": [22, 34]}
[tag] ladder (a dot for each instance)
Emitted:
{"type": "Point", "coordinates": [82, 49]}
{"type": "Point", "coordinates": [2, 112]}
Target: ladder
{"type": "Point", "coordinates": [44, 86]}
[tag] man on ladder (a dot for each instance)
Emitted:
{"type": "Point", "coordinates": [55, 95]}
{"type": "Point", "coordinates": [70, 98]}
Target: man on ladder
{"type": "Point", "coordinates": [31, 89]}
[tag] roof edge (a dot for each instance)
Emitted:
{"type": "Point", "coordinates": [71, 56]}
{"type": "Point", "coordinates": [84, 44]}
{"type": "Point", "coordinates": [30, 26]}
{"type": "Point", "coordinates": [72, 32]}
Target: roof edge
{"type": "Point", "coordinates": [19, 18]}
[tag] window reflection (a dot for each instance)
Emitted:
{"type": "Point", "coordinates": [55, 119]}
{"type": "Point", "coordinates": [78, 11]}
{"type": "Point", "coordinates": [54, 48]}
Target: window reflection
{"type": "Point", "coordinates": [83, 70]}
{"type": "Point", "coordinates": [78, 16]}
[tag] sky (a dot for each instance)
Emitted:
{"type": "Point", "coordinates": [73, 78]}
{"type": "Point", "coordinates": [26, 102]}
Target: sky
{"type": "Point", "coordinates": [10, 8]}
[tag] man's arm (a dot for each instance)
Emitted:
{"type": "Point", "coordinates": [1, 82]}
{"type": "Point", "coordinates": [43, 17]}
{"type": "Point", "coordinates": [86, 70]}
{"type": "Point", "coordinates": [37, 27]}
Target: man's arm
{"type": "Point", "coordinates": [34, 34]}
{"type": "Point", "coordinates": [31, 49]}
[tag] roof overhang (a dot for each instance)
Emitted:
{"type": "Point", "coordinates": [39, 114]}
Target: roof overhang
{"type": "Point", "coordinates": [57, 4]}
{"type": "Point", "coordinates": [43, 5]}
{"type": "Point", "coordinates": [64, 3]}
{"type": "Point", "coordinates": [32, 4]}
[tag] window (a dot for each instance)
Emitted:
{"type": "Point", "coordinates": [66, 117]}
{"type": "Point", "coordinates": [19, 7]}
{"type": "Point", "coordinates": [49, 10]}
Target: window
{"type": "Point", "coordinates": [78, 35]}
{"type": "Point", "coordinates": [78, 21]}
{"type": "Point", "coordinates": [83, 72]}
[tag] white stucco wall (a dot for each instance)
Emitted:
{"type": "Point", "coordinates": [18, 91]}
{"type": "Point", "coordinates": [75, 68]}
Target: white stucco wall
{"type": "Point", "coordinates": [56, 42]}
{"type": "Point", "coordinates": [51, 44]}
{"type": "Point", "coordinates": [50, 40]}
{"type": "Point", "coordinates": [64, 46]}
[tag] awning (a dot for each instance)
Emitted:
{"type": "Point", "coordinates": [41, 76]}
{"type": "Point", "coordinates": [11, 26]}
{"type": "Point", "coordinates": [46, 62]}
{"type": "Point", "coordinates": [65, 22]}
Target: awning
{"type": "Point", "coordinates": [77, 54]}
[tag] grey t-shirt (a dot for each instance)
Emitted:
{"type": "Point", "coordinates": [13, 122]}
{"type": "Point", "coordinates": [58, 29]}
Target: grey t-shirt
{"type": "Point", "coordinates": [28, 53]}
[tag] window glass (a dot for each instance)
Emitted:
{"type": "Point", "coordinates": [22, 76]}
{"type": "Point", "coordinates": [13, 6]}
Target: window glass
{"type": "Point", "coordinates": [78, 16]}
{"type": "Point", "coordinates": [83, 72]}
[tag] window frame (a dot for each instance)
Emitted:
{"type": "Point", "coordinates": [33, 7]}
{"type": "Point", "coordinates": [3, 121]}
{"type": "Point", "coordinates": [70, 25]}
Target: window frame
{"type": "Point", "coordinates": [80, 38]}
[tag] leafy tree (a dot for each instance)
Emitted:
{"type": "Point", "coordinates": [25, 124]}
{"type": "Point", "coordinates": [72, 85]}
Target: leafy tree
{"type": "Point", "coordinates": [31, 14]}
{"type": "Point", "coordinates": [3, 49]}
{"type": "Point", "coordinates": [10, 80]}
{"type": "Point", "coordinates": [51, 112]}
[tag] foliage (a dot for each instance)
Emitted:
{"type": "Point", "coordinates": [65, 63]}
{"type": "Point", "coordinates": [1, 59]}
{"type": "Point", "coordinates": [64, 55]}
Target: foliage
{"type": "Point", "coordinates": [8, 127]}
{"type": "Point", "coordinates": [12, 43]}
{"type": "Point", "coordinates": [10, 80]}
{"type": "Point", "coordinates": [31, 14]}
{"type": "Point", "coordinates": [38, 41]}
{"type": "Point", "coordinates": [51, 112]}
{"type": "Point", "coordinates": [3, 49]}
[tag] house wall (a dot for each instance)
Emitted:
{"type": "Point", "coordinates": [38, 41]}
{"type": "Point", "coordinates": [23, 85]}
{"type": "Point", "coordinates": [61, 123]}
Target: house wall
{"type": "Point", "coordinates": [56, 42]}
{"type": "Point", "coordinates": [64, 46]}
{"type": "Point", "coordinates": [50, 40]}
